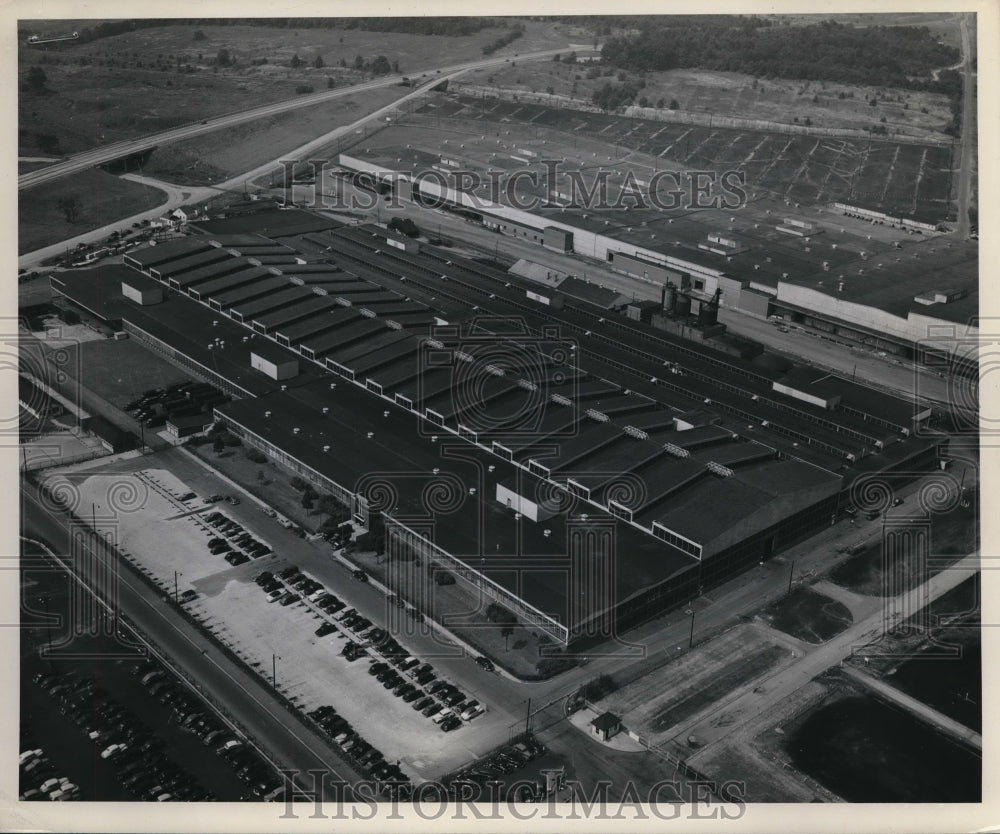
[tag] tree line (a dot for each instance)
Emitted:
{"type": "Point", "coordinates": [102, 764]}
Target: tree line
{"type": "Point", "coordinates": [449, 26]}
{"type": "Point", "coordinates": [884, 56]}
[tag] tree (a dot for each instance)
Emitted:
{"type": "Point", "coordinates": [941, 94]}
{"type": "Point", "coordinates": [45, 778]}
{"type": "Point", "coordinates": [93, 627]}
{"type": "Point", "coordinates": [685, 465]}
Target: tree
{"type": "Point", "coordinates": [307, 501]}
{"type": "Point", "coordinates": [330, 83]}
{"type": "Point", "coordinates": [359, 62]}
{"type": "Point", "coordinates": [318, 63]}
{"type": "Point", "coordinates": [36, 80]}
{"type": "Point", "coordinates": [395, 66]}
{"type": "Point", "coordinates": [223, 58]}
{"type": "Point", "coordinates": [296, 62]}
{"type": "Point", "coordinates": [70, 207]}
{"type": "Point", "coordinates": [381, 66]}
{"type": "Point", "coordinates": [674, 104]}
{"type": "Point", "coordinates": [218, 444]}
{"type": "Point", "coordinates": [506, 631]}
{"type": "Point", "coordinates": [198, 35]}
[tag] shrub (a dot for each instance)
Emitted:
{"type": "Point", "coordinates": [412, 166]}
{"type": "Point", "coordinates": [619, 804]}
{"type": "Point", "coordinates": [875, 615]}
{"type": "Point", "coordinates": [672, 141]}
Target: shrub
{"type": "Point", "coordinates": [302, 89]}
{"type": "Point", "coordinates": [599, 687]}
{"type": "Point", "coordinates": [549, 666]}
{"type": "Point", "coordinates": [256, 456]}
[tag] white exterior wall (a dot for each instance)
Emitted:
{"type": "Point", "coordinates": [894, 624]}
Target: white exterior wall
{"type": "Point", "coordinates": [277, 371]}
{"type": "Point", "coordinates": [152, 295]}
{"type": "Point", "coordinates": [520, 504]}
{"type": "Point", "coordinates": [916, 327]}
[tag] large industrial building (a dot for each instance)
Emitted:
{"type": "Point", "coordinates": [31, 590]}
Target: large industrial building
{"type": "Point", "coordinates": [803, 264]}
{"type": "Point", "coordinates": [585, 468]}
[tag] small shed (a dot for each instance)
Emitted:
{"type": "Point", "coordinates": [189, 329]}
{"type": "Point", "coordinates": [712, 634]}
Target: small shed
{"type": "Point", "coordinates": [606, 726]}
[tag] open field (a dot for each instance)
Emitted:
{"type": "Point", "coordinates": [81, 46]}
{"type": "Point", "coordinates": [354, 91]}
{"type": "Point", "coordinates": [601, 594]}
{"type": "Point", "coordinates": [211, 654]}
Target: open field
{"type": "Point", "coordinates": [729, 94]}
{"type": "Point", "coordinates": [943, 24]}
{"type": "Point", "coordinates": [866, 751]}
{"type": "Point", "coordinates": [907, 178]}
{"type": "Point", "coordinates": [809, 616]}
{"type": "Point", "coordinates": [151, 79]}
{"type": "Point", "coordinates": [226, 153]}
{"type": "Point", "coordinates": [103, 198]}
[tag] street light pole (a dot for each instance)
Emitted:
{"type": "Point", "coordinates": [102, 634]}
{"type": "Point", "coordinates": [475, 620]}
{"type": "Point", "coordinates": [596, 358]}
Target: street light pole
{"type": "Point", "coordinates": [274, 671]}
{"type": "Point", "coordinates": [175, 586]}
{"type": "Point", "coordinates": [691, 636]}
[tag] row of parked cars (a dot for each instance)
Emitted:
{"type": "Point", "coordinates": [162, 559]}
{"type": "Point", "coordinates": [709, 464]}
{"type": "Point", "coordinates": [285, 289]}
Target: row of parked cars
{"type": "Point", "coordinates": [502, 762]}
{"type": "Point", "coordinates": [122, 739]}
{"type": "Point", "coordinates": [410, 680]}
{"type": "Point", "coordinates": [192, 716]}
{"type": "Point", "coordinates": [394, 667]}
{"type": "Point", "coordinates": [291, 586]}
{"type": "Point", "coordinates": [235, 543]}
{"type": "Point", "coordinates": [365, 757]}
{"type": "Point", "coordinates": [39, 779]}
{"type": "Point", "coordinates": [181, 399]}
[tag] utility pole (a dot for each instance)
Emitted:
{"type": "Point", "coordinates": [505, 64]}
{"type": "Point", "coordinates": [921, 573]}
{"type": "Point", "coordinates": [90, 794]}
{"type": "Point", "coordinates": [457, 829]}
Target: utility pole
{"type": "Point", "coordinates": [175, 586]}
{"type": "Point", "coordinates": [691, 636]}
{"type": "Point", "coordinates": [527, 719]}
{"type": "Point", "coordinates": [274, 671]}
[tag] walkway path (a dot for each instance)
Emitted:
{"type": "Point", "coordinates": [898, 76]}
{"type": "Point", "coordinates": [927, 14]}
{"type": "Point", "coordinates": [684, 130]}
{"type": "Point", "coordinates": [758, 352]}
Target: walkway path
{"type": "Point", "coordinates": [918, 708]}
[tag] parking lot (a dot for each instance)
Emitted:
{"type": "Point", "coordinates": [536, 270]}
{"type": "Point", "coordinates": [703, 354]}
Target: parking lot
{"type": "Point", "coordinates": [166, 532]}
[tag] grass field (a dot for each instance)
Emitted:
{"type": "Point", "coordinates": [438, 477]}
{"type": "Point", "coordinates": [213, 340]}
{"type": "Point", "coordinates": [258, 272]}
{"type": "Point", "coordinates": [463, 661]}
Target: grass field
{"type": "Point", "coordinates": [103, 198]}
{"type": "Point", "coordinates": [228, 152]}
{"type": "Point", "coordinates": [809, 615]}
{"type": "Point", "coordinates": [866, 751]}
{"type": "Point", "coordinates": [138, 82]}
{"type": "Point", "coordinates": [724, 94]}
{"type": "Point", "coordinates": [953, 533]}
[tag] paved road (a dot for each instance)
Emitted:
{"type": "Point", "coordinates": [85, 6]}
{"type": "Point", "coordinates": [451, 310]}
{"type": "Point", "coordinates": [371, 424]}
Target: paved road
{"type": "Point", "coordinates": [279, 733]}
{"type": "Point", "coordinates": [918, 708]}
{"type": "Point", "coordinates": [107, 153]}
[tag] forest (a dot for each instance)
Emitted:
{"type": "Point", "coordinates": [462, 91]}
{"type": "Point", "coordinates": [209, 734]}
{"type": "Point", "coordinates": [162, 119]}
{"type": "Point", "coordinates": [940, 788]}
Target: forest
{"type": "Point", "coordinates": [883, 56]}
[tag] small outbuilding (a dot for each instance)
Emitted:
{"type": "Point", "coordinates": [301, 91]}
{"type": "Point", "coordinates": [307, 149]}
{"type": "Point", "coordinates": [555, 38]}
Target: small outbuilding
{"type": "Point", "coordinates": [606, 726]}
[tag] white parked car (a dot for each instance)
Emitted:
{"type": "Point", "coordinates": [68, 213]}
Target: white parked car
{"type": "Point", "coordinates": [441, 716]}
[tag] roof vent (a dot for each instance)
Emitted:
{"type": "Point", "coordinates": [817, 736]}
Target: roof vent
{"type": "Point", "coordinates": [371, 434]}
{"type": "Point", "coordinates": [267, 413]}
{"type": "Point", "coordinates": [326, 448]}
{"type": "Point", "coordinates": [295, 430]}
{"type": "Point", "coordinates": [326, 409]}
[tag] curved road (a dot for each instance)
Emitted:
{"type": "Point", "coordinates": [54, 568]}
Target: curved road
{"type": "Point", "coordinates": [107, 153]}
